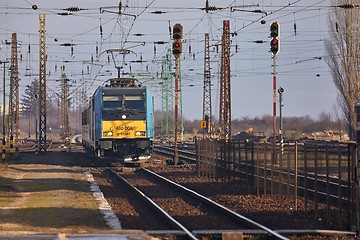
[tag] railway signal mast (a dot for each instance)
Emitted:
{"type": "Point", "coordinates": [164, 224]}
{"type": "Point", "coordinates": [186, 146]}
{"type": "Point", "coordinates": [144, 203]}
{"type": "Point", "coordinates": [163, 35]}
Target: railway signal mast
{"type": "Point", "coordinates": [177, 50]}
{"type": "Point", "coordinates": [274, 48]}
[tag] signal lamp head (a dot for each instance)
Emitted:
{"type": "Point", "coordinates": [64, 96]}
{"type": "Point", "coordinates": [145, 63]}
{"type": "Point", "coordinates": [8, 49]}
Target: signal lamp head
{"type": "Point", "coordinates": [177, 31]}
{"type": "Point", "coordinates": [274, 30]}
{"type": "Point", "coordinates": [274, 46]}
{"type": "Point", "coordinates": [177, 49]}
{"type": "Point", "coordinates": [274, 34]}
{"type": "Point", "coordinates": [177, 36]}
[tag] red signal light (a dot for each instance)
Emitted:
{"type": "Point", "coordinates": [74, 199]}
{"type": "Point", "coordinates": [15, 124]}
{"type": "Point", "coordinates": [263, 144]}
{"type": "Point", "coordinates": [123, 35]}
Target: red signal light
{"type": "Point", "coordinates": [177, 49]}
{"type": "Point", "coordinates": [274, 46]}
{"type": "Point", "coordinates": [274, 42]}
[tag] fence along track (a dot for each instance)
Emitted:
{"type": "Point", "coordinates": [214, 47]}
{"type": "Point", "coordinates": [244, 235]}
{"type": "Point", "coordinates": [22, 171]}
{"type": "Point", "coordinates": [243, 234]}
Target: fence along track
{"type": "Point", "coordinates": [322, 173]}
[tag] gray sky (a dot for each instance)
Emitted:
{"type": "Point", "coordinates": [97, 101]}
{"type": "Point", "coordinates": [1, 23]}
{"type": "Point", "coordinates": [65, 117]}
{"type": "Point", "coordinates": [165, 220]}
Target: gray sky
{"type": "Point", "coordinates": [309, 89]}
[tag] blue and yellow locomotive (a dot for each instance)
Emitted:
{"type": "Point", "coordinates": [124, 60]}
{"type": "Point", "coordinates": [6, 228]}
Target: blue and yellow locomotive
{"type": "Point", "coordinates": [118, 121]}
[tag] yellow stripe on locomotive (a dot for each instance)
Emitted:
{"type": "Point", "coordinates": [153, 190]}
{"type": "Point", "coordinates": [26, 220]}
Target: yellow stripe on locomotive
{"type": "Point", "coordinates": [124, 129]}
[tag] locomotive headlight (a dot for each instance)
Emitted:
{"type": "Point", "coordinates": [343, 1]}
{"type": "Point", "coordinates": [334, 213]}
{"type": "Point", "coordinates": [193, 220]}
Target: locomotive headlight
{"type": "Point", "coordinates": [107, 134]}
{"type": "Point", "coordinates": [140, 133]}
{"type": "Point", "coordinates": [123, 116]}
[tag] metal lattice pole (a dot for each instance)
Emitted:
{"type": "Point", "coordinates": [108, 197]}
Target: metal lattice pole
{"type": "Point", "coordinates": [14, 94]}
{"type": "Point", "coordinates": [65, 108]}
{"type": "Point", "coordinates": [207, 87]}
{"type": "Point", "coordinates": [225, 90]}
{"type": "Point", "coordinates": [15, 85]}
{"type": "Point", "coordinates": [164, 126]}
{"type": "Point", "coordinates": [167, 94]}
{"type": "Point", "coordinates": [42, 90]}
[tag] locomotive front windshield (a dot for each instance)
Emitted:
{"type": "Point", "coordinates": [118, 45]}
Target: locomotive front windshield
{"type": "Point", "coordinates": [131, 107]}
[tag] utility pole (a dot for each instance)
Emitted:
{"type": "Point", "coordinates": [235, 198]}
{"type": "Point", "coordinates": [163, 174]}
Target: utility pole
{"type": "Point", "coordinates": [225, 88]}
{"type": "Point", "coordinates": [42, 90]}
{"type": "Point", "coordinates": [207, 88]}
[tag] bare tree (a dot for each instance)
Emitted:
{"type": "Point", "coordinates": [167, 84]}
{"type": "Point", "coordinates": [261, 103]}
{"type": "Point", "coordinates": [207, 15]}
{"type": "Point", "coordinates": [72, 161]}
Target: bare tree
{"type": "Point", "coordinates": [343, 50]}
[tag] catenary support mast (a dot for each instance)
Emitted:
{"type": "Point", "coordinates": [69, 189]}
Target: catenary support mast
{"type": "Point", "coordinates": [225, 90]}
{"type": "Point", "coordinates": [42, 90]}
{"type": "Point", "coordinates": [167, 123]}
{"type": "Point", "coordinates": [207, 87]}
{"type": "Point", "coordinates": [14, 94]}
{"type": "Point", "coordinates": [65, 108]}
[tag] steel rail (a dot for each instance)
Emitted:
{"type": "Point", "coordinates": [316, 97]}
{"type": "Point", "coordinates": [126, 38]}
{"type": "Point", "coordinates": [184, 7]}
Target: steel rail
{"type": "Point", "coordinates": [189, 157]}
{"type": "Point", "coordinates": [156, 207]}
{"type": "Point", "coordinates": [217, 205]}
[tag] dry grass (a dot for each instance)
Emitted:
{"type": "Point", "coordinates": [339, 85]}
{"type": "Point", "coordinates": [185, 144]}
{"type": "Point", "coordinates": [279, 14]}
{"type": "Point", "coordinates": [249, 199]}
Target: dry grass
{"type": "Point", "coordinates": [46, 199]}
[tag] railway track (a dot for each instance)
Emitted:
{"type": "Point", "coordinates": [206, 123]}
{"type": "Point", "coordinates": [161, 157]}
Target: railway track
{"type": "Point", "coordinates": [139, 213]}
{"type": "Point", "coordinates": [185, 212]}
{"type": "Point", "coordinates": [184, 156]}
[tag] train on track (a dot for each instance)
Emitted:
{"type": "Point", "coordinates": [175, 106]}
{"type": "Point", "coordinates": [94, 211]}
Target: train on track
{"type": "Point", "coordinates": [118, 121]}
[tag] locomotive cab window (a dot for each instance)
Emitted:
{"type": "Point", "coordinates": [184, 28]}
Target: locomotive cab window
{"type": "Point", "coordinates": [130, 106]}
{"type": "Point", "coordinates": [134, 102]}
{"type": "Point", "coordinates": [112, 103]}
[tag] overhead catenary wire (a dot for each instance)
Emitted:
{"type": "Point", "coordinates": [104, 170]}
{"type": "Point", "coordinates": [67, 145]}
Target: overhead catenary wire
{"type": "Point", "coordinates": [195, 30]}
